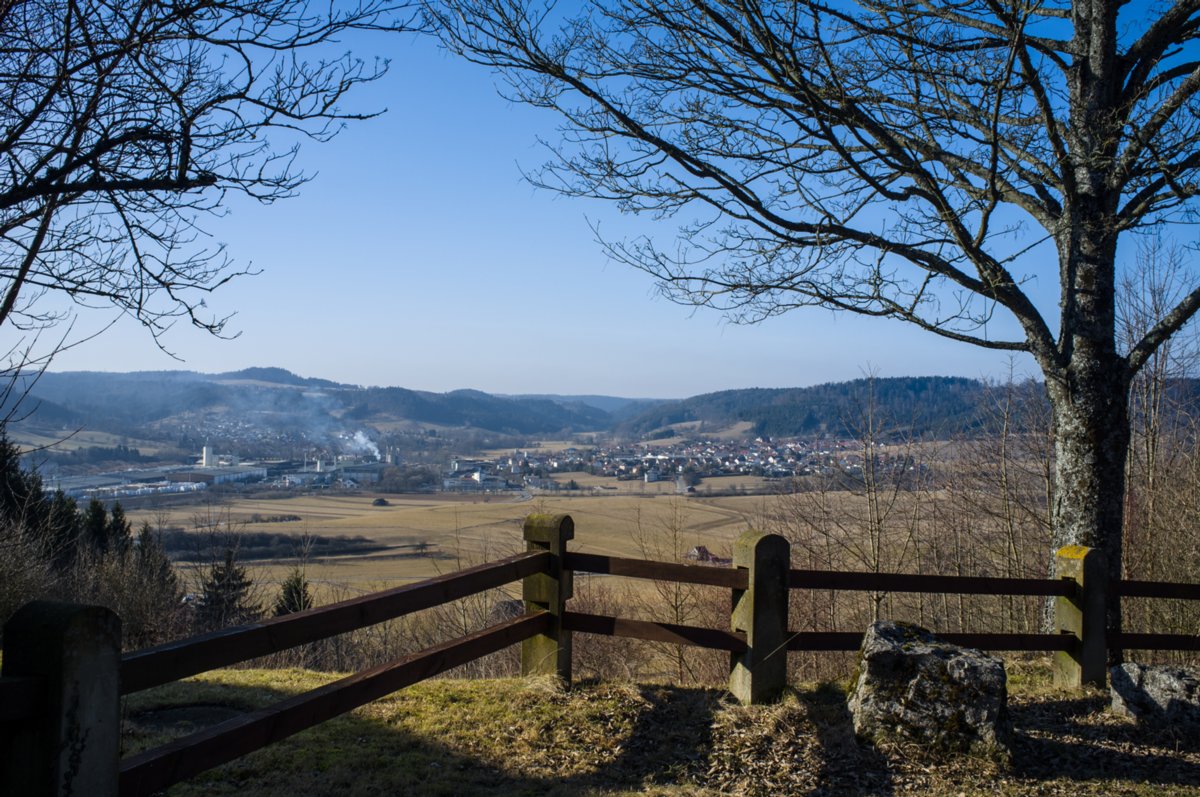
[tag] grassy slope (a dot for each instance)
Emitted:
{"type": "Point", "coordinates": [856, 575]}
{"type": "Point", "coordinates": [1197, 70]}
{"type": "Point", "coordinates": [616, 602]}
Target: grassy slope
{"type": "Point", "coordinates": [525, 737]}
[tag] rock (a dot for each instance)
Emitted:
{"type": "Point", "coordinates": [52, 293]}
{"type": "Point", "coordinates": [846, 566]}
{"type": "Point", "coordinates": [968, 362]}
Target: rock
{"type": "Point", "coordinates": [913, 686]}
{"type": "Point", "coordinates": [1158, 693]}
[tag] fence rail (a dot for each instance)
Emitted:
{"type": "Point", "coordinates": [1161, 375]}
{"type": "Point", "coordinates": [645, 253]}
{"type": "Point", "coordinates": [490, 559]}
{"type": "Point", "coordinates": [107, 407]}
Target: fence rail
{"type": "Point", "coordinates": [1128, 641]}
{"type": "Point", "coordinates": [88, 667]}
{"type": "Point", "coordinates": [907, 582]}
{"type": "Point", "coordinates": [1156, 589]}
{"type": "Point", "coordinates": [712, 638]}
{"type": "Point", "coordinates": [703, 575]}
{"type": "Point", "coordinates": [166, 663]}
{"type": "Point", "coordinates": [813, 641]}
{"type": "Point", "coordinates": [817, 641]}
{"type": "Point", "coordinates": [156, 769]}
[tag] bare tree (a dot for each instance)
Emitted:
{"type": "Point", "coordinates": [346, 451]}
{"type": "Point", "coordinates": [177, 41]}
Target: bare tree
{"type": "Point", "coordinates": [915, 160]}
{"type": "Point", "coordinates": [1158, 418]}
{"type": "Point", "coordinates": [123, 125]}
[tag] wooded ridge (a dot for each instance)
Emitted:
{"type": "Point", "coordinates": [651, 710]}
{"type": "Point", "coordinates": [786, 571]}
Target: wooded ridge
{"type": "Point", "coordinates": [273, 397]}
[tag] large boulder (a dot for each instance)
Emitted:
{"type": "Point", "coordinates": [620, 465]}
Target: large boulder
{"type": "Point", "coordinates": [910, 685]}
{"type": "Point", "coordinates": [1156, 693]}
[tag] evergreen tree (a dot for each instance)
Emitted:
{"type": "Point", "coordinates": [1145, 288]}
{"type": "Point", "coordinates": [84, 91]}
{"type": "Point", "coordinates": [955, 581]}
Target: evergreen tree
{"type": "Point", "coordinates": [118, 531]}
{"type": "Point", "coordinates": [152, 561]}
{"type": "Point", "coordinates": [226, 597]}
{"type": "Point", "coordinates": [294, 595]}
{"type": "Point", "coordinates": [151, 614]}
{"type": "Point", "coordinates": [22, 499]}
{"type": "Point", "coordinates": [63, 530]}
{"type": "Point", "coordinates": [95, 527]}
{"type": "Point", "coordinates": [48, 524]}
{"type": "Point", "coordinates": [26, 570]}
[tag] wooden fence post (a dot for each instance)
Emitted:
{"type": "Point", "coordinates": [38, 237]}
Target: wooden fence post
{"type": "Point", "coordinates": [549, 653]}
{"type": "Point", "coordinates": [72, 747]}
{"type": "Point", "coordinates": [761, 610]}
{"type": "Point", "coordinates": [1083, 616]}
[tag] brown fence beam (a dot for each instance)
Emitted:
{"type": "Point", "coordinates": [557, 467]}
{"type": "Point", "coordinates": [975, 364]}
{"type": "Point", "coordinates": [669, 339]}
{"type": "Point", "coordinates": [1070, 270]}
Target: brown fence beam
{"type": "Point", "coordinates": [661, 571]}
{"type": "Point", "coordinates": [1030, 642]}
{"type": "Point", "coordinates": [852, 640]}
{"type": "Point", "coordinates": [907, 582]}
{"type": "Point", "coordinates": [1155, 589]}
{"type": "Point", "coordinates": [1127, 641]}
{"type": "Point", "coordinates": [603, 625]}
{"type": "Point", "coordinates": [159, 665]}
{"type": "Point", "coordinates": [155, 770]}
{"type": "Point", "coordinates": [824, 640]}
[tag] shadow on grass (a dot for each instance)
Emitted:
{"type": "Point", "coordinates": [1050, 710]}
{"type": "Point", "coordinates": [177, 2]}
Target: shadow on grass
{"type": "Point", "coordinates": [654, 737]}
{"type": "Point", "coordinates": [846, 765]}
{"type": "Point", "coordinates": [1073, 738]}
{"type": "Point", "coordinates": [514, 737]}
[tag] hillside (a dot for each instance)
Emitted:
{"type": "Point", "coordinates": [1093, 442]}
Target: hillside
{"type": "Point", "coordinates": [287, 413]}
{"type": "Point", "coordinates": [273, 398]}
{"type": "Point", "coordinates": [925, 406]}
{"type": "Point", "coordinates": [276, 398]}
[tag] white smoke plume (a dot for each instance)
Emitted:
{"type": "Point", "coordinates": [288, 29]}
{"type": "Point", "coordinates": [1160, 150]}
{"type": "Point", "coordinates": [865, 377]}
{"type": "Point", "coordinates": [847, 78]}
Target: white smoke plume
{"type": "Point", "coordinates": [360, 442]}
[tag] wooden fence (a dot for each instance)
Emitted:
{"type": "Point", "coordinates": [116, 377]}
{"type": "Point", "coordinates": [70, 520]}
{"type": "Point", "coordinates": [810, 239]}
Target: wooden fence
{"type": "Point", "coordinates": [63, 675]}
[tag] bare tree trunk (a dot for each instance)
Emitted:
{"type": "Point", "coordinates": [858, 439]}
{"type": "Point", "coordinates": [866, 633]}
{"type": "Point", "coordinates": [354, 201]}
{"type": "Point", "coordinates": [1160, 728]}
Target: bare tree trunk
{"type": "Point", "coordinates": [1091, 443]}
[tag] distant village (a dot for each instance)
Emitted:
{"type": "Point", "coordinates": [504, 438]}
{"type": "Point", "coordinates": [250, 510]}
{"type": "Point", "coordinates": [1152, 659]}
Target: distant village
{"type": "Point", "coordinates": [685, 463]}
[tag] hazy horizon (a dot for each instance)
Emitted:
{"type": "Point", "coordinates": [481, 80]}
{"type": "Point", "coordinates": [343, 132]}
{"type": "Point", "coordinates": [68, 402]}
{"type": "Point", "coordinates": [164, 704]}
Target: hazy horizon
{"type": "Point", "coordinates": [506, 394]}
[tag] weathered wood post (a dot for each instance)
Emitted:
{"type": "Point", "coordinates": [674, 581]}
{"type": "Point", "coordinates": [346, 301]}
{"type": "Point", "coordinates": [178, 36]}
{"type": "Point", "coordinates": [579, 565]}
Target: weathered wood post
{"type": "Point", "coordinates": [72, 747]}
{"type": "Point", "coordinates": [761, 610]}
{"type": "Point", "coordinates": [549, 653]}
{"type": "Point", "coordinates": [1083, 616]}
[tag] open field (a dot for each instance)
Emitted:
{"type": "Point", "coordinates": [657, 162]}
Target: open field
{"type": "Point", "coordinates": [29, 437]}
{"type": "Point", "coordinates": [607, 484]}
{"type": "Point", "coordinates": [453, 532]}
{"type": "Point", "coordinates": [740, 430]}
{"type": "Point", "coordinates": [710, 484]}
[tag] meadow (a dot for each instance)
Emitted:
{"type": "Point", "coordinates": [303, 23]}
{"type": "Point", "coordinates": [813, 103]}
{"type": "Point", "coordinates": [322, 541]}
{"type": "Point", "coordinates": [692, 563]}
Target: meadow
{"type": "Point", "coordinates": [430, 535]}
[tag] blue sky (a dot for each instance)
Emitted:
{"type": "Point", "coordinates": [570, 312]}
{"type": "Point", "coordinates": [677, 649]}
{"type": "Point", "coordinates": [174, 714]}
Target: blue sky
{"type": "Point", "coordinates": [418, 257]}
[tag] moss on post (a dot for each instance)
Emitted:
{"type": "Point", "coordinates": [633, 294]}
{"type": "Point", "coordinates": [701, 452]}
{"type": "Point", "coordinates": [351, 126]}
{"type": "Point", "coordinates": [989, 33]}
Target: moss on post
{"type": "Point", "coordinates": [549, 653]}
{"type": "Point", "coordinates": [759, 674]}
{"type": "Point", "coordinates": [1083, 616]}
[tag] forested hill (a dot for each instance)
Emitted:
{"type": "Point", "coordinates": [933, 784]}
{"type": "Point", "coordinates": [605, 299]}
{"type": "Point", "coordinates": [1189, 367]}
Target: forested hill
{"type": "Point", "coordinates": [279, 398]}
{"type": "Point", "coordinates": [927, 405]}
{"type": "Point", "coordinates": [282, 400]}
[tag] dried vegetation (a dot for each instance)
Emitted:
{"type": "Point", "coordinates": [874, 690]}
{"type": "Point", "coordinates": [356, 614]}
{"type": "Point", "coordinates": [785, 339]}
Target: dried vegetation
{"type": "Point", "coordinates": [527, 737]}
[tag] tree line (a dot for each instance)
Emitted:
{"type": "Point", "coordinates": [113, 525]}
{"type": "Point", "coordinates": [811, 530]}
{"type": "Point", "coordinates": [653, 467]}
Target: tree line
{"type": "Point", "coordinates": [53, 548]}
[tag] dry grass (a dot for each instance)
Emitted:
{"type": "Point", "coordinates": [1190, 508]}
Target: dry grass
{"type": "Point", "coordinates": [527, 737]}
{"type": "Point", "coordinates": [616, 487]}
{"type": "Point", "coordinates": [464, 531]}
{"type": "Point", "coordinates": [639, 487]}
{"type": "Point", "coordinates": [30, 436]}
